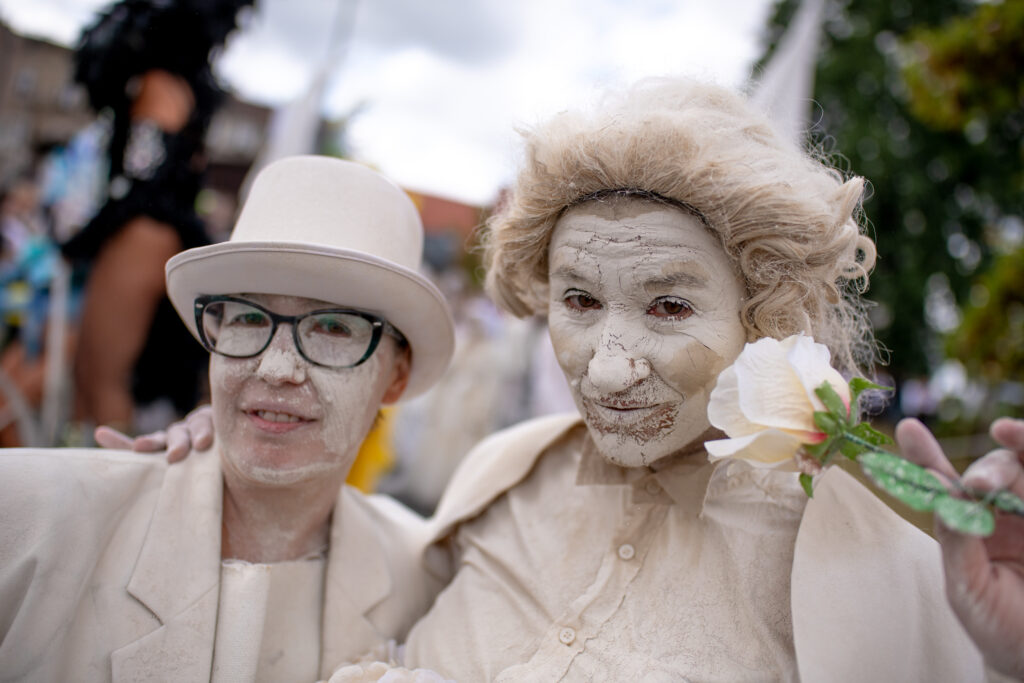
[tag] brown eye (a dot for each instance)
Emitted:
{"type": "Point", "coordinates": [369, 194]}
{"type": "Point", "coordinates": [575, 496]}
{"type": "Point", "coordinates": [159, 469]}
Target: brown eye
{"type": "Point", "coordinates": [581, 301]}
{"type": "Point", "coordinates": [670, 307]}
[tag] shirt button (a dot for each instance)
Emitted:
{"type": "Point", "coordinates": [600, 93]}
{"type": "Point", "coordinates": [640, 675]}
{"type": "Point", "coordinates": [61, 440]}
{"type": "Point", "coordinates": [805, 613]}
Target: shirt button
{"type": "Point", "coordinates": [566, 636]}
{"type": "Point", "coordinates": [626, 551]}
{"type": "Point", "coordinates": [652, 488]}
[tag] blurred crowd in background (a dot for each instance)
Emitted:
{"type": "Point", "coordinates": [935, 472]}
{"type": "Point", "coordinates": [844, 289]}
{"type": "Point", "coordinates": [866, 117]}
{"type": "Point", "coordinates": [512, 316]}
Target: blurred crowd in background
{"type": "Point", "coordinates": [925, 99]}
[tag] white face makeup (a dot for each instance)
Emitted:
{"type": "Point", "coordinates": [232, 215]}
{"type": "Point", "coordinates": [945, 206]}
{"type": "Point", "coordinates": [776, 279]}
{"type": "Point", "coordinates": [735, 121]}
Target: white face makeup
{"type": "Point", "coordinates": [281, 420]}
{"type": "Point", "coordinates": [644, 313]}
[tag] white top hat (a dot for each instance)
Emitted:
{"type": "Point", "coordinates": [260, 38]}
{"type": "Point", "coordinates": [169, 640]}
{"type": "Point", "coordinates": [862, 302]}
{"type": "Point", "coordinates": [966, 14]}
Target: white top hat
{"type": "Point", "coordinates": [323, 228]}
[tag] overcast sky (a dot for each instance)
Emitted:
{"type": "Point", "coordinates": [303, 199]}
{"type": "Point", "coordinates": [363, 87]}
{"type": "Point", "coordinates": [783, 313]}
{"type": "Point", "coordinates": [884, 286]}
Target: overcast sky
{"type": "Point", "coordinates": [444, 82]}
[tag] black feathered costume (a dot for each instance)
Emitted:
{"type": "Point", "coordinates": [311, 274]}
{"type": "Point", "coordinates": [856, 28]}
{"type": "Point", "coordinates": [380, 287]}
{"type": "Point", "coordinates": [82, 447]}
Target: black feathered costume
{"type": "Point", "coordinates": [152, 172]}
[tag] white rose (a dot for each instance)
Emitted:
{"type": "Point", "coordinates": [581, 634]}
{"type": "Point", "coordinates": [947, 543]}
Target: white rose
{"type": "Point", "coordinates": [765, 401]}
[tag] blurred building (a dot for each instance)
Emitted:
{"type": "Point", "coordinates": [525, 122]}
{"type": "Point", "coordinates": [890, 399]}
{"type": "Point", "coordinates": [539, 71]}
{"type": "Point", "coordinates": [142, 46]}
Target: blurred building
{"type": "Point", "coordinates": [39, 104]}
{"type": "Point", "coordinates": [448, 226]}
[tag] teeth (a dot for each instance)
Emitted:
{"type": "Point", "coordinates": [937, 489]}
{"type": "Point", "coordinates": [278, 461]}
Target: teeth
{"type": "Point", "coordinates": [276, 417]}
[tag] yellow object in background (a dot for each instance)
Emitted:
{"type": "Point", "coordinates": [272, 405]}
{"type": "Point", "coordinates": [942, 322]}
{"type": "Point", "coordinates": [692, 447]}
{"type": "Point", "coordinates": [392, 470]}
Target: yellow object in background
{"type": "Point", "coordinates": [376, 455]}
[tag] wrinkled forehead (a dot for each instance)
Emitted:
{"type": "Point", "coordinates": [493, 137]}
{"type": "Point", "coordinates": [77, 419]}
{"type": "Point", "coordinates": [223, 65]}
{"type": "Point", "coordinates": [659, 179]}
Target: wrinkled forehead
{"type": "Point", "coordinates": [629, 228]}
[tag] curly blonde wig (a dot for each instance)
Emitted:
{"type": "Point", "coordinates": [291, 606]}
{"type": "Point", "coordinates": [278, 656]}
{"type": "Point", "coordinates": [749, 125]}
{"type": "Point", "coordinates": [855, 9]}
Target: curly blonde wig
{"type": "Point", "coordinates": [789, 222]}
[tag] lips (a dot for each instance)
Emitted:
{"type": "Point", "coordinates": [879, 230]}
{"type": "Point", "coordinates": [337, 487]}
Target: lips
{"type": "Point", "coordinates": [640, 423]}
{"type": "Point", "coordinates": [276, 418]}
{"type": "Point", "coordinates": [623, 412]}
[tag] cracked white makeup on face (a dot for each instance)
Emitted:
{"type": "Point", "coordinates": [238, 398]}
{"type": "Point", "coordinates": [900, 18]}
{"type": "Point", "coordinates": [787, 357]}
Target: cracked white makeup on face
{"type": "Point", "coordinates": [644, 313]}
{"type": "Point", "coordinates": [281, 420]}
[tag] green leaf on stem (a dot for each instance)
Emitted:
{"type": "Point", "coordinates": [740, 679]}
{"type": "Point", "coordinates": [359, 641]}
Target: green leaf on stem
{"type": "Point", "coordinates": [819, 450]}
{"type": "Point", "coordinates": [902, 479]}
{"type": "Point", "coordinates": [966, 516]}
{"type": "Point", "coordinates": [826, 422]}
{"type": "Point", "coordinates": [862, 438]}
{"type": "Point", "coordinates": [870, 434]}
{"type": "Point", "coordinates": [805, 482]}
{"type": "Point", "coordinates": [858, 385]}
{"type": "Point", "coordinates": [1008, 502]}
{"type": "Point", "coordinates": [851, 449]}
{"type": "Point", "coordinates": [832, 402]}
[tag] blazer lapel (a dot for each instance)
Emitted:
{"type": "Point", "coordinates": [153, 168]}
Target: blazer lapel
{"type": "Point", "coordinates": [495, 465]}
{"type": "Point", "coordinates": [177, 577]}
{"type": "Point", "coordinates": [358, 579]}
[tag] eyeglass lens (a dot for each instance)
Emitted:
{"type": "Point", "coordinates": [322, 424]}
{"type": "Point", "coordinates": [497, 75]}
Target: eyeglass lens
{"type": "Point", "coordinates": [241, 330]}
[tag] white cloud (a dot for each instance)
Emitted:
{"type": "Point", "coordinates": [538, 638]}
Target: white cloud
{"type": "Point", "coordinates": [445, 82]}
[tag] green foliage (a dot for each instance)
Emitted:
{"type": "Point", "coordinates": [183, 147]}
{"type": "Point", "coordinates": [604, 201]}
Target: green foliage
{"type": "Point", "coordinates": [827, 423]}
{"type": "Point", "coordinates": [833, 403]}
{"type": "Point", "coordinates": [918, 488]}
{"type": "Point", "coordinates": [806, 482]}
{"type": "Point", "coordinates": [858, 385]}
{"type": "Point", "coordinates": [912, 484]}
{"type": "Point", "coordinates": [966, 516]}
{"type": "Point", "coordinates": [870, 435]}
{"type": "Point", "coordinates": [990, 340]}
{"type": "Point", "coordinates": [938, 192]}
{"type": "Point", "coordinates": [902, 479]}
{"type": "Point", "coordinates": [968, 69]}
{"type": "Point", "coordinates": [1007, 502]}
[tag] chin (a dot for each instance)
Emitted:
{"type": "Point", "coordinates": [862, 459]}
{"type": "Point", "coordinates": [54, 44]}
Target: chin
{"type": "Point", "coordinates": [643, 447]}
{"type": "Point", "coordinates": [274, 468]}
{"type": "Point", "coordinates": [629, 450]}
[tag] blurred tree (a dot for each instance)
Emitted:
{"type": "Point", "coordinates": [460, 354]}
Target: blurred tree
{"type": "Point", "coordinates": [966, 75]}
{"type": "Point", "coordinates": [925, 98]}
{"type": "Point", "coordinates": [990, 341]}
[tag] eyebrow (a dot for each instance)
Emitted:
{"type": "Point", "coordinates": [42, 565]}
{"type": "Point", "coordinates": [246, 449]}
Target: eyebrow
{"type": "Point", "coordinates": [676, 279]}
{"type": "Point", "coordinates": [567, 273]}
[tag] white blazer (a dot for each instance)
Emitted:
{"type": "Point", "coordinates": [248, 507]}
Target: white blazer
{"type": "Point", "coordinates": [110, 568]}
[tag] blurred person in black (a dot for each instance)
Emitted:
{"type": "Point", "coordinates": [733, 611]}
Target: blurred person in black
{"type": "Point", "coordinates": [147, 62]}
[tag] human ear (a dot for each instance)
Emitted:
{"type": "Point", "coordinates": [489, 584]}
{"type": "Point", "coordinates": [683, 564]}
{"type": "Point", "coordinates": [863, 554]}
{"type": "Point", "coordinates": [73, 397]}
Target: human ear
{"type": "Point", "coordinates": [399, 376]}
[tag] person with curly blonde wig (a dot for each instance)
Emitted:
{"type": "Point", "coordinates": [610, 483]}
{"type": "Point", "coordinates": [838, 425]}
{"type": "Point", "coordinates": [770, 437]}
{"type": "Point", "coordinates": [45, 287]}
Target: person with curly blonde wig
{"type": "Point", "coordinates": [660, 232]}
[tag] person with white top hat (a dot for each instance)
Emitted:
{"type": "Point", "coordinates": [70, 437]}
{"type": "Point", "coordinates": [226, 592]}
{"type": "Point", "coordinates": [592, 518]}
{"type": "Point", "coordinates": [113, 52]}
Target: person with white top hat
{"type": "Point", "coordinates": [258, 564]}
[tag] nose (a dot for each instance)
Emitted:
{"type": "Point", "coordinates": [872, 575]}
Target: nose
{"type": "Point", "coordinates": [280, 362]}
{"type": "Point", "coordinates": [618, 361]}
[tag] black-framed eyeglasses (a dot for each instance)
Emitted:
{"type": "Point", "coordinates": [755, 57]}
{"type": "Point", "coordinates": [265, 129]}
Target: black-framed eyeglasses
{"type": "Point", "coordinates": [331, 337]}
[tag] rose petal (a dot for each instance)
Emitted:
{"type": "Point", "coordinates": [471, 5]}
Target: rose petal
{"type": "Point", "coordinates": [771, 393]}
{"type": "Point", "coordinates": [724, 406]}
{"type": "Point", "coordinates": [810, 362]}
{"type": "Point", "coordinates": [768, 447]}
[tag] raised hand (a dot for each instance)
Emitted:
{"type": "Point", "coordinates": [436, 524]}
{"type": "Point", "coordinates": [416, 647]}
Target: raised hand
{"type": "Point", "coordinates": [178, 440]}
{"type": "Point", "coordinates": [984, 576]}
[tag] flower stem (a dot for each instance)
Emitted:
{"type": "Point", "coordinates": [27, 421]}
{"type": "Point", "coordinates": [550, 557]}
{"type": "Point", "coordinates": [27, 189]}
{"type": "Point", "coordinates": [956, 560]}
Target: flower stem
{"type": "Point", "coordinates": [983, 497]}
{"type": "Point", "coordinates": [861, 442]}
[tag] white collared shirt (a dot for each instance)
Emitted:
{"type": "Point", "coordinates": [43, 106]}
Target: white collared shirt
{"type": "Point", "coordinates": [587, 572]}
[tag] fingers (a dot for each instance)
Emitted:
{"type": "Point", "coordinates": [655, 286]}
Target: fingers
{"type": "Point", "coordinates": [968, 571]}
{"type": "Point", "coordinates": [919, 446]}
{"type": "Point", "coordinates": [1009, 433]}
{"type": "Point", "coordinates": [107, 437]}
{"type": "Point", "coordinates": [195, 432]}
{"type": "Point", "coordinates": [1000, 469]}
{"type": "Point", "coordinates": [200, 427]}
{"type": "Point", "coordinates": [203, 439]}
{"type": "Point", "coordinates": [150, 443]}
{"type": "Point", "coordinates": [179, 443]}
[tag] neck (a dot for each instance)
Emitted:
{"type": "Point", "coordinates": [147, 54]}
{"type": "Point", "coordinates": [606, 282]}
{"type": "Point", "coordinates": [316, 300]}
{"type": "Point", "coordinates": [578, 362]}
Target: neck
{"type": "Point", "coordinates": [265, 524]}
